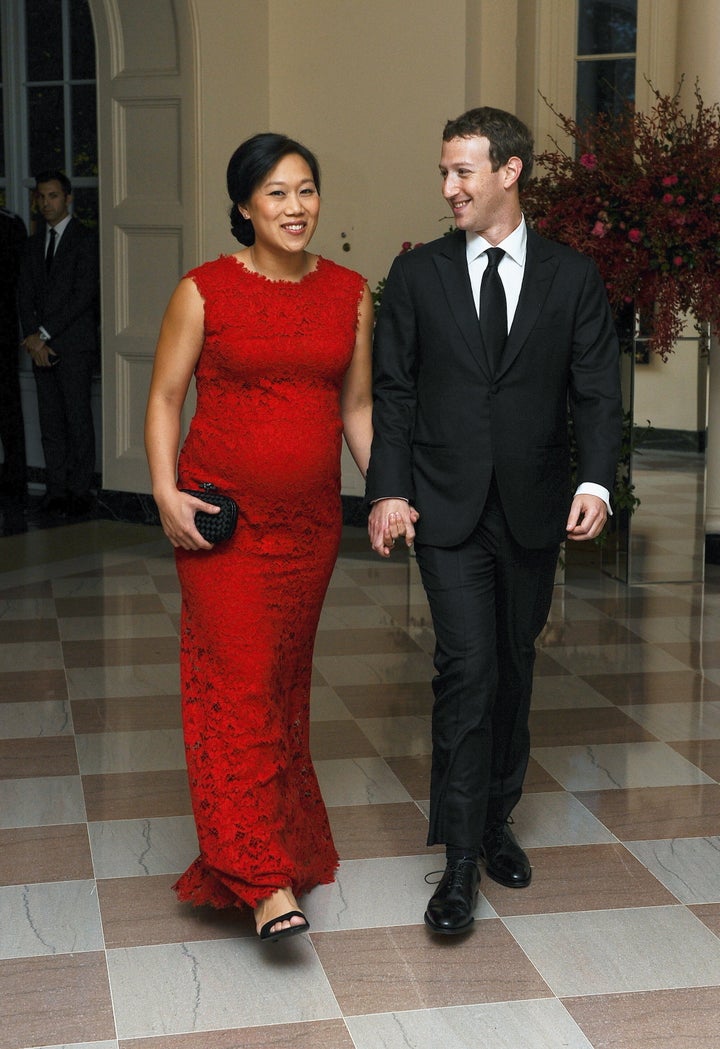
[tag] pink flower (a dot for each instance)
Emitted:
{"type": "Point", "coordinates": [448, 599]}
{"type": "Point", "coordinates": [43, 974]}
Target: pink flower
{"type": "Point", "coordinates": [667, 198]}
{"type": "Point", "coordinates": [670, 180]}
{"type": "Point", "coordinates": [679, 199]}
{"type": "Point", "coordinates": [599, 229]}
{"type": "Point", "coordinates": [678, 260]}
{"type": "Point", "coordinates": [716, 198]}
{"type": "Point", "coordinates": [589, 161]}
{"type": "Point", "coordinates": [635, 235]}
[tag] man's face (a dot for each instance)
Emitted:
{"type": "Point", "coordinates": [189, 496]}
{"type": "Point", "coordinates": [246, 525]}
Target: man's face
{"type": "Point", "coordinates": [52, 201]}
{"type": "Point", "coordinates": [473, 190]}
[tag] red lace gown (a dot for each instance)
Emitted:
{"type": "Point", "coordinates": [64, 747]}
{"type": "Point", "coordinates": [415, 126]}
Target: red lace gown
{"type": "Point", "coordinates": [267, 430]}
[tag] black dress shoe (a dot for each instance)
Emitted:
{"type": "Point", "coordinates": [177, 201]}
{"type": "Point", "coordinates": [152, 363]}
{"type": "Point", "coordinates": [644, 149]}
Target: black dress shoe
{"type": "Point", "coordinates": [451, 906]}
{"type": "Point", "coordinates": [79, 505]}
{"type": "Point", "coordinates": [52, 504]}
{"type": "Point", "coordinates": [505, 861]}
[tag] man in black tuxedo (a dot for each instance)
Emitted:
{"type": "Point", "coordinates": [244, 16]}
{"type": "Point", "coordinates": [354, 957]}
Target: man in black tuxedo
{"type": "Point", "coordinates": [12, 433]}
{"type": "Point", "coordinates": [478, 355]}
{"type": "Point", "coordinates": [57, 295]}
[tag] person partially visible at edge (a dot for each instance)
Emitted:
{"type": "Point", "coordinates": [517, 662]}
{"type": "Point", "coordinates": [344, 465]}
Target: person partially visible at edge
{"type": "Point", "coordinates": [58, 289]}
{"type": "Point", "coordinates": [279, 341]}
{"type": "Point", "coordinates": [472, 382]}
{"type": "Point", "coordinates": [13, 473]}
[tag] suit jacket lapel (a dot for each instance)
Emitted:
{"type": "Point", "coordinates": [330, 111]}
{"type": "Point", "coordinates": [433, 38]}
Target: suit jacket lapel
{"type": "Point", "coordinates": [451, 264]}
{"type": "Point", "coordinates": [540, 268]}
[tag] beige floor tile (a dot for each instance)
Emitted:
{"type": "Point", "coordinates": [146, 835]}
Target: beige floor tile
{"type": "Point", "coordinates": [126, 714]}
{"type": "Point", "coordinates": [29, 685]}
{"type": "Point", "coordinates": [705, 753]}
{"type": "Point", "coordinates": [55, 1000]}
{"type": "Point", "coordinates": [371, 640]}
{"type": "Point", "coordinates": [134, 795]}
{"type": "Point", "coordinates": [142, 911]}
{"type": "Point", "coordinates": [339, 739]}
{"type": "Point", "coordinates": [646, 813]}
{"type": "Point", "coordinates": [108, 605]}
{"type": "Point", "coordinates": [43, 756]}
{"type": "Point", "coordinates": [580, 878]}
{"type": "Point", "coordinates": [568, 727]}
{"type": "Point", "coordinates": [672, 1019]}
{"type": "Point", "coordinates": [389, 970]}
{"type": "Point", "coordinates": [362, 831]}
{"type": "Point", "coordinates": [387, 699]}
{"type": "Point", "coordinates": [709, 914]}
{"type": "Point", "coordinates": [27, 631]}
{"type": "Point", "coordinates": [318, 1034]}
{"type": "Point", "coordinates": [674, 686]}
{"type": "Point", "coordinates": [413, 772]}
{"type": "Point", "coordinates": [120, 651]}
{"type": "Point", "coordinates": [54, 853]}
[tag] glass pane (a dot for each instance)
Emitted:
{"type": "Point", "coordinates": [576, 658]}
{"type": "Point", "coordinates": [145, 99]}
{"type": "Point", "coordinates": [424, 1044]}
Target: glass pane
{"type": "Point", "coordinates": [605, 86]}
{"type": "Point", "coordinates": [43, 26]}
{"type": "Point", "coordinates": [83, 41]}
{"type": "Point", "coordinates": [85, 205]}
{"type": "Point", "coordinates": [2, 132]}
{"type": "Point", "coordinates": [607, 27]}
{"type": "Point", "coordinates": [84, 130]}
{"type": "Point", "coordinates": [46, 142]}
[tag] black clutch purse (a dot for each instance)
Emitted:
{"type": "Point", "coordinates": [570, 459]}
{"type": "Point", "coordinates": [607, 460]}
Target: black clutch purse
{"type": "Point", "coordinates": [216, 528]}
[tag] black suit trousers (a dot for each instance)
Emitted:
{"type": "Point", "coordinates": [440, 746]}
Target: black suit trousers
{"type": "Point", "coordinates": [66, 423]}
{"type": "Point", "coordinates": [489, 599]}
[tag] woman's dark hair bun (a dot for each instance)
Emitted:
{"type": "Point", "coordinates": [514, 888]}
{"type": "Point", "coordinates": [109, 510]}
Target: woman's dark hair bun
{"type": "Point", "coordinates": [241, 228]}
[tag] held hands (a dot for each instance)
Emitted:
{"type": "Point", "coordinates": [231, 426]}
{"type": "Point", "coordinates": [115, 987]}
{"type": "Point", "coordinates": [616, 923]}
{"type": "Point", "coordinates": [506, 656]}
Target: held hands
{"type": "Point", "coordinates": [391, 520]}
{"type": "Point", "coordinates": [177, 517]}
{"type": "Point", "coordinates": [588, 515]}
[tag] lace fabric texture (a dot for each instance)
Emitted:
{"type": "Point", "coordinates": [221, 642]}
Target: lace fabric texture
{"type": "Point", "coordinates": [267, 431]}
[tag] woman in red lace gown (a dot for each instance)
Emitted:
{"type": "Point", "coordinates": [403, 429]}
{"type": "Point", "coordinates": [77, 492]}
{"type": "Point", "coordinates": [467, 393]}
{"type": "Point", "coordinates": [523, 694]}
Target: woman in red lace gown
{"type": "Point", "coordinates": [279, 342]}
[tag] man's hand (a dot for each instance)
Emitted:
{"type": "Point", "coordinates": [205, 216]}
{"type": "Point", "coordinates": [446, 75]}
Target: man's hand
{"type": "Point", "coordinates": [42, 354]}
{"type": "Point", "coordinates": [588, 515]}
{"type": "Point", "coordinates": [389, 521]}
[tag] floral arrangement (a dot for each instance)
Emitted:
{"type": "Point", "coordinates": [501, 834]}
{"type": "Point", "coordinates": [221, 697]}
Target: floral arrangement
{"type": "Point", "coordinates": [641, 196]}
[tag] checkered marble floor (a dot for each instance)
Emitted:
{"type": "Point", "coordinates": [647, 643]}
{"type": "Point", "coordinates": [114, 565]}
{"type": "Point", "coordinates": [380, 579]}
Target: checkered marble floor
{"type": "Point", "coordinates": [616, 944]}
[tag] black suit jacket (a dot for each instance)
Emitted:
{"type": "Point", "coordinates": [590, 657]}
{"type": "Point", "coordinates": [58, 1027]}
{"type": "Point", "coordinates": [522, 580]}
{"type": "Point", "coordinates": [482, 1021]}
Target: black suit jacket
{"type": "Point", "coordinates": [65, 301]}
{"type": "Point", "coordinates": [443, 423]}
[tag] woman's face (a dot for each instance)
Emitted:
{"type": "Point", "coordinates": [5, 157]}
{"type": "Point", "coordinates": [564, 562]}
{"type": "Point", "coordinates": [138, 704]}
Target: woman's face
{"type": "Point", "coordinates": [284, 208]}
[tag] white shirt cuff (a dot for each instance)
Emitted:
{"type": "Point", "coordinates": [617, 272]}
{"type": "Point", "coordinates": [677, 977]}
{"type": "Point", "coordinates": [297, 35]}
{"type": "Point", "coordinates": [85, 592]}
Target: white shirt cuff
{"type": "Point", "coordinates": [589, 488]}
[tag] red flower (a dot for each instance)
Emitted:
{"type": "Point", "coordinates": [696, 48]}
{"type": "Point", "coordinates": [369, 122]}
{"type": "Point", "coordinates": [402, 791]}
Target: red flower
{"type": "Point", "coordinates": [614, 196]}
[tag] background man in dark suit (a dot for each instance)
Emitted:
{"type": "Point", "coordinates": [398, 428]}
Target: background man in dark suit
{"type": "Point", "coordinates": [473, 377]}
{"type": "Point", "coordinates": [57, 295]}
{"type": "Point", "coordinates": [12, 433]}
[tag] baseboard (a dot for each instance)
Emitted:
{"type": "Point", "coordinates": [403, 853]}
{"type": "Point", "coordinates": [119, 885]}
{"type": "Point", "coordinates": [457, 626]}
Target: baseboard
{"type": "Point", "coordinates": [670, 440]}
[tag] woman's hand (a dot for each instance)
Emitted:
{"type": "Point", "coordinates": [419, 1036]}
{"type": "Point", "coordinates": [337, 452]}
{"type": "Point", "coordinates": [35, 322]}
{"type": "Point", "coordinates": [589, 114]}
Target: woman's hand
{"type": "Point", "coordinates": [391, 520]}
{"type": "Point", "coordinates": [177, 517]}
